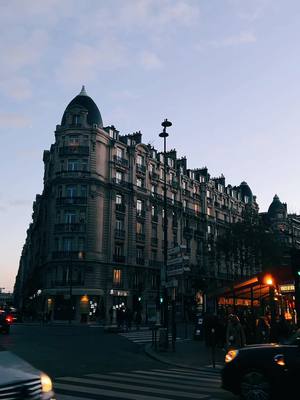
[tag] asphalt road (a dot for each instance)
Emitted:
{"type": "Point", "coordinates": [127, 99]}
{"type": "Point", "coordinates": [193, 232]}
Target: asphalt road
{"type": "Point", "coordinates": [87, 363]}
{"type": "Point", "coordinates": [74, 350]}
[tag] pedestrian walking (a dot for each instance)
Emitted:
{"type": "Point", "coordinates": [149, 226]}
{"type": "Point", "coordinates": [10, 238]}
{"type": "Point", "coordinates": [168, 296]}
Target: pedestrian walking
{"type": "Point", "coordinates": [263, 330]}
{"type": "Point", "coordinates": [235, 335]}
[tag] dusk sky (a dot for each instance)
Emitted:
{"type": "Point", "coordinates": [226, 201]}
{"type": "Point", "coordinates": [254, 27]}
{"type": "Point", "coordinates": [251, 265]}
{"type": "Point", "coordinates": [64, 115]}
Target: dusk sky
{"type": "Point", "coordinates": [225, 72]}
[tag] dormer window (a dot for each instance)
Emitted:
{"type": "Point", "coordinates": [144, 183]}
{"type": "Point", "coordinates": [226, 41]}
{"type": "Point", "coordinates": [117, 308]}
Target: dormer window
{"type": "Point", "coordinates": [76, 119]}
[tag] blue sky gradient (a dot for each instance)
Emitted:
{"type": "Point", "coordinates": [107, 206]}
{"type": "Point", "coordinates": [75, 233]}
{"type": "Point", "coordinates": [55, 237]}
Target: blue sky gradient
{"type": "Point", "coordinates": [225, 72]}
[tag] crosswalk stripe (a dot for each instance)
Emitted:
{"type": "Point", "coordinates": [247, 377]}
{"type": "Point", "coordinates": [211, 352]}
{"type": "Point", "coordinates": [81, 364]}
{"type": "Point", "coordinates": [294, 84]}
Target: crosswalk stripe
{"type": "Point", "coordinates": [153, 381]}
{"type": "Point", "coordinates": [176, 376]}
{"type": "Point", "coordinates": [204, 373]}
{"type": "Point", "coordinates": [70, 397]}
{"type": "Point", "coordinates": [137, 388]}
{"type": "Point", "coordinates": [171, 380]}
{"type": "Point", "coordinates": [106, 392]}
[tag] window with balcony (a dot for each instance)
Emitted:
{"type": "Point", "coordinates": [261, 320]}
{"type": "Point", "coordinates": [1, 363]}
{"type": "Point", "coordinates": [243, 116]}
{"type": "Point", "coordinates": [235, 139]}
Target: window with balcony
{"type": "Point", "coordinates": [84, 165]}
{"type": "Point", "coordinates": [184, 185]}
{"type": "Point", "coordinates": [139, 160]}
{"type": "Point", "coordinates": [153, 190]}
{"type": "Point", "coordinates": [140, 182]}
{"type": "Point", "coordinates": [119, 177]}
{"type": "Point", "coordinates": [154, 231]}
{"type": "Point", "coordinates": [117, 273]}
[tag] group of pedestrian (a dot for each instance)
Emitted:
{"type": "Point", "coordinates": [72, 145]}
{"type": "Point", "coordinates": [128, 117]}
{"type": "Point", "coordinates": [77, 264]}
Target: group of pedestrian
{"type": "Point", "coordinates": [235, 331]}
{"type": "Point", "coordinates": [125, 318]}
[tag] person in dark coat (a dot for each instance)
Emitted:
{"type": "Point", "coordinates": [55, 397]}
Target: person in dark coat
{"type": "Point", "coordinates": [235, 335]}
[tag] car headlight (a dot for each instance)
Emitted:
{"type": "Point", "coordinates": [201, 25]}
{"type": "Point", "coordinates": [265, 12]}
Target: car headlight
{"type": "Point", "coordinates": [231, 355]}
{"type": "Point", "coordinates": [46, 383]}
{"type": "Point", "coordinates": [279, 360]}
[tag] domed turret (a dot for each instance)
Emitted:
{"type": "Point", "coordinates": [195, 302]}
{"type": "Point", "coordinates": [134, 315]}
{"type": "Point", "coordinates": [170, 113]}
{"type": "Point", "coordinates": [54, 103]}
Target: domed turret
{"type": "Point", "coordinates": [277, 209]}
{"type": "Point", "coordinates": [83, 104]}
{"type": "Point", "coordinates": [246, 192]}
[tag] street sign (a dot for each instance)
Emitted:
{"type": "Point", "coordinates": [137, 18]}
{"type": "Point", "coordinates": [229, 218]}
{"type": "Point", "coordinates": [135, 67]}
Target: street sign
{"type": "Point", "coordinates": [178, 261]}
{"type": "Point", "coordinates": [172, 283]}
{"type": "Point", "coordinates": [176, 250]}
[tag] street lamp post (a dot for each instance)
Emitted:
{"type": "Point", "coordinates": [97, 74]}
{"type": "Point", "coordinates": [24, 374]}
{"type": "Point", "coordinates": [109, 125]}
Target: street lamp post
{"type": "Point", "coordinates": [80, 256]}
{"type": "Point", "coordinates": [165, 124]}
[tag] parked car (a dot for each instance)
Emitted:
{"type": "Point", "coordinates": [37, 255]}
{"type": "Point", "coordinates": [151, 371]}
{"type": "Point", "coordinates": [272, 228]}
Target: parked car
{"type": "Point", "coordinates": [263, 371]}
{"type": "Point", "coordinates": [5, 321]}
{"type": "Point", "coordinates": [19, 380]}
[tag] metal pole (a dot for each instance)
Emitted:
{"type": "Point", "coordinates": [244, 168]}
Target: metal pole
{"type": "Point", "coordinates": [70, 290]}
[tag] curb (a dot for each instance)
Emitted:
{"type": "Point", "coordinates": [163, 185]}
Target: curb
{"type": "Point", "coordinates": [152, 354]}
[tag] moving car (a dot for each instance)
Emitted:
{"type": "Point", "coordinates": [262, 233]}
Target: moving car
{"type": "Point", "coordinates": [263, 371]}
{"type": "Point", "coordinates": [19, 380]}
{"type": "Point", "coordinates": [5, 321]}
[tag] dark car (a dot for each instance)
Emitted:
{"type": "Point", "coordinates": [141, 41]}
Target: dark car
{"type": "Point", "coordinates": [5, 321]}
{"type": "Point", "coordinates": [19, 380]}
{"type": "Point", "coordinates": [263, 371]}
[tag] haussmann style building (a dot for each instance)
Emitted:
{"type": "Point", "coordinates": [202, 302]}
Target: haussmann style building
{"type": "Point", "coordinates": [96, 237]}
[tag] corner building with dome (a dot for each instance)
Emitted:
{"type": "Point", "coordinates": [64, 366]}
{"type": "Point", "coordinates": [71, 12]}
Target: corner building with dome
{"type": "Point", "coordinates": [96, 236]}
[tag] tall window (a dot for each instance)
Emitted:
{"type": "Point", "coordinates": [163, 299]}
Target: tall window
{"type": "Point", "coordinates": [119, 176]}
{"type": "Point", "coordinates": [70, 217]}
{"type": "Point", "coordinates": [74, 140]}
{"type": "Point", "coordinates": [118, 199]}
{"type": "Point", "coordinates": [119, 224]}
{"type": "Point", "coordinates": [139, 228]}
{"type": "Point", "coordinates": [84, 165]}
{"type": "Point", "coordinates": [153, 189]}
{"type": "Point", "coordinates": [139, 206]}
{"type": "Point", "coordinates": [68, 244]}
{"type": "Point", "coordinates": [171, 177]}
{"type": "Point", "coordinates": [81, 244]}
{"type": "Point", "coordinates": [140, 253]}
{"type": "Point", "coordinates": [154, 231]}
{"type": "Point", "coordinates": [73, 165]}
{"type": "Point", "coordinates": [139, 182]}
{"type": "Point", "coordinates": [117, 276]}
{"type": "Point", "coordinates": [139, 159]}
{"type": "Point", "coordinates": [119, 152]}
{"type": "Point", "coordinates": [71, 191]}
{"type": "Point", "coordinates": [118, 250]}
{"type": "Point", "coordinates": [83, 190]}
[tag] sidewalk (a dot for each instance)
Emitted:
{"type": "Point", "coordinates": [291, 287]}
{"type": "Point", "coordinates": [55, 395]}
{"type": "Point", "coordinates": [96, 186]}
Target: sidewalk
{"type": "Point", "coordinates": [188, 353]}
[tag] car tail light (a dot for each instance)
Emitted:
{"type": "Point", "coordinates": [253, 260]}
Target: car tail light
{"type": "Point", "coordinates": [9, 319]}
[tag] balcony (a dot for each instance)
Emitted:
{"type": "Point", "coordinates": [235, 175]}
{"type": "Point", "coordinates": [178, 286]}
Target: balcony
{"type": "Point", "coordinates": [186, 192]}
{"type": "Point", "coordinates": [63, 283]}
{"type": "Point", "coordinates": [156, 197]}
{"type": "Point", "coordinates": [118, 258]}
{"type": "Point", "coordinates": [142, 188]}
{"type": "Point", "coordinates": [74, 150]}
{"type": "Point", "coordinates": [121, 183]}
{"type": "Point", "coordinates": [121, 161]}
{"type": "Point", "coordinates": [154, 242]}
{"type": "Point", "coordinates": [140, 237]}
{"type": "Point", "coordinates": [72, 227]}
{"type": "Point", "coordinates": [120, 208]}
{"type": "Point", "coordinates": [140, 261]}
{"type": "Point", "coordinates": [69, 255]}
{"type": "Point", "coordinates": [120, 234]}
{"type": "Point", "coordinates": [197, 196]}
{"type": "Point", "coordinates": [155, 263]}
{"type": "Point", "coordinates": [141, 213]}
{"type": "Point", "coordinates": [140, 169]}
{"type": "Point", "coordinates": [154, 176]}
{"type": "Point", "coordinates": [77, 201]}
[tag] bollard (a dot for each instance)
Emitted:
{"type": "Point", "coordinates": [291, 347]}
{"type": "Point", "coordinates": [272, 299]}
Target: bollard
{"type": "Point", "coordinates": [213, 347]}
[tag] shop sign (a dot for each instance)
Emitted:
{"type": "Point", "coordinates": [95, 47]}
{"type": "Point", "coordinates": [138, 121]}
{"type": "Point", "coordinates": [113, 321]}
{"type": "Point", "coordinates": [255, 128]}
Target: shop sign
{"type": "Point", "coordinates": [287, 288]}
{"type": "Point", "coordinates": [120, 293]}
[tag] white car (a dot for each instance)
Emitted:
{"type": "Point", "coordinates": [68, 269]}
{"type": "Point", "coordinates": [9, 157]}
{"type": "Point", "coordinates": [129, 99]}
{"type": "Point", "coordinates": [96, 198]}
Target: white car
{"type": "Point", "coordinates": [19, 380]}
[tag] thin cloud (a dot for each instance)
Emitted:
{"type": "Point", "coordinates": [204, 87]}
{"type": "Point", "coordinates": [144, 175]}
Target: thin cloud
{"type": "Point", "coordinates": [17, 88]}
{"type": "Point", "coordinates": [14, 120]}
{"type": "Point", "coordinates": [150, 61]}
{"type": "Point", "coordinates": [244, 38]}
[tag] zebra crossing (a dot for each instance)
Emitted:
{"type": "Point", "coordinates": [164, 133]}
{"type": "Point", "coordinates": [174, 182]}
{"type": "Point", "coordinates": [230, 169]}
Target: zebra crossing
{"type": "Point", "coordinates": [154, 384]}
{"type": "Point", "coordinates": [142, 336]}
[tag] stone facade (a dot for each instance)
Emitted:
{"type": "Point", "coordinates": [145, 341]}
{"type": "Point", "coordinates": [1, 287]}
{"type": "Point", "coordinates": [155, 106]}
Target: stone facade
{"type": "Point", "coordinates": [97, 230]}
